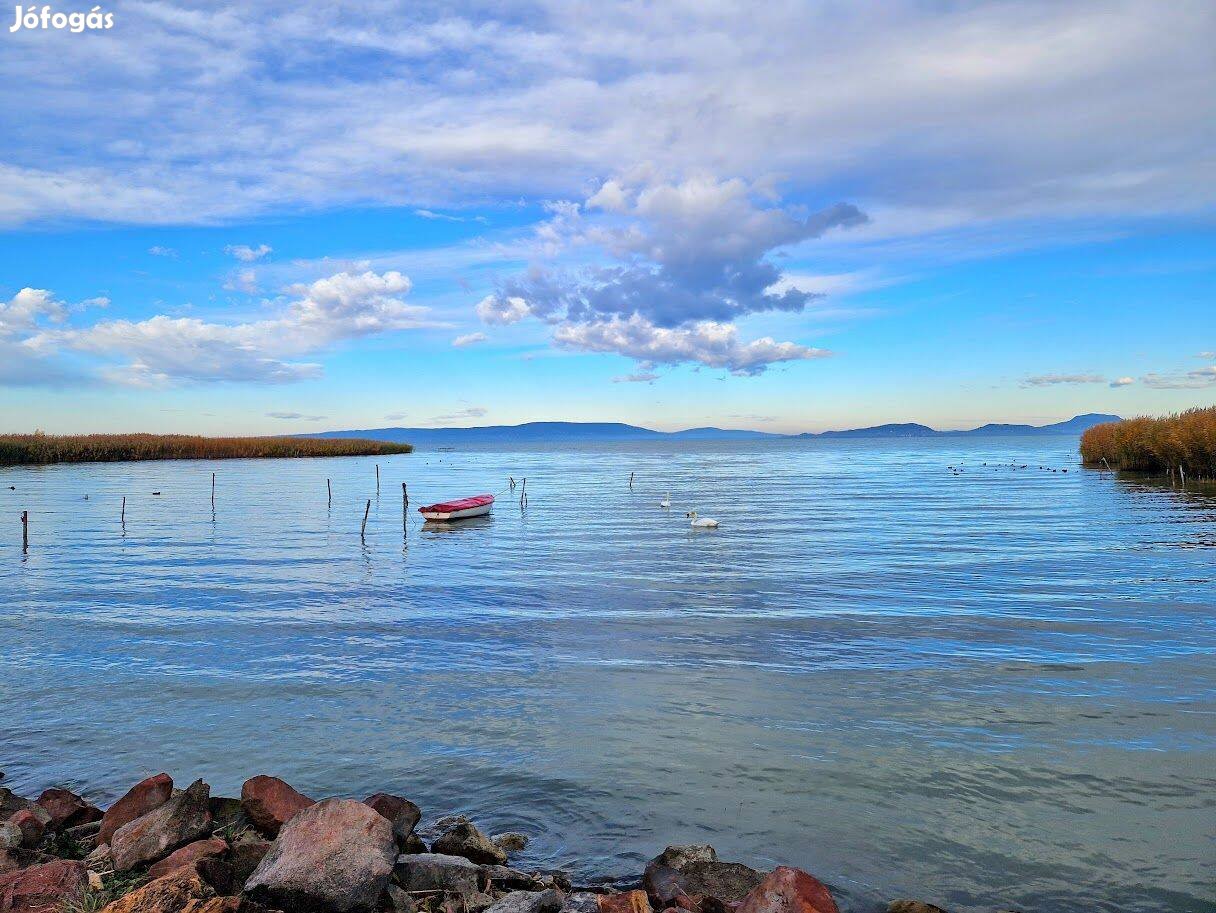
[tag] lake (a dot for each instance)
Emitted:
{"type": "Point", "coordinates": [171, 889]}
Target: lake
{"type": "Point", "coordinates": [989, 689]}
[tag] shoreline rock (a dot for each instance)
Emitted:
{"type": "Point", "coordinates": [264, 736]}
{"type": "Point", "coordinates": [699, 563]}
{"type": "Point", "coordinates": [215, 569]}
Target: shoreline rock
{"type": "Point", "coordinates": [156, 850]}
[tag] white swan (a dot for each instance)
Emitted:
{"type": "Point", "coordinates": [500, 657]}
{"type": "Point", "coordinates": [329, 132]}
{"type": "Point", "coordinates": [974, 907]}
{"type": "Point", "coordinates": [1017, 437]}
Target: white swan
{"type": "Point", "coordinates": [701, 522]}
{"type": "Point", "coordinates": [666, 502]}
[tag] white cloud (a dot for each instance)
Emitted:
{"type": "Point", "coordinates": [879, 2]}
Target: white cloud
{"type": "Point", "coordinates": [687, 259]}
{"type": "Point", "coordinates": [469, 339]}
{"type": "Point", "coordinates": [163, 350]}
{"type": "Point", "coordinates": [987, 109]}
{"type": "Point", "coordinates": [708, 343]}
{"type": "Point", "coordinates": [158, 251]}
{"type": "Point", "coordinates": [1050, 380]}
{"type": "Point", "coordinates": [1123, 381]}
{"type": "Point", "coordinates": [247, 254]}
{"type": "Point", "coordinates": [498, 309]}
{"type": "Point", "coordinates": [396, 416]}
{"type": "Point", "coordinates": [243, 280]}
{"type": "Point", "coordinates": [445, 217]}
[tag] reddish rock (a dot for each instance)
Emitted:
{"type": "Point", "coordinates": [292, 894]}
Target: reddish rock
{"type": "Point", "coordinates": [224, 905]}
{"type": "Point", "coordinates": [789, 890]}
{"type": "Point", "coordinates": [67, 809]}
{"type": "Point", "coordinates": [626, 902]}
{"type": "Point", "coordinates": [42, 888]}
{"type": "Point", "coordinates": [30, 825]}
{"type": "Point", "coordinates": [183, 819]}
{"type": "Point", "coordinates": [335, 856]}
{"type": "Point", "coordinates": [270, 803]}
{"type": "Point", "coordinates": [140, 799]}
{"type": "Point", "coordinates": [401, 812]}
{"type": "Point", "coordinates": [167, 894]}
{"type": "Point", "coordinates": [912, 906]}
{"type": "Point", "coordinates": [189, 855]}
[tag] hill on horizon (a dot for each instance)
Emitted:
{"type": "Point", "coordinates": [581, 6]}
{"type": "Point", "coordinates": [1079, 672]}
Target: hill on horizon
{"type": "Point", "coordinates": [620, 431]}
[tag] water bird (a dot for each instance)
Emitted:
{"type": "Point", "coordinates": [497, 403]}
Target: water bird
{"type": "Point", "coordinates": [701, 522]}
{"type": "Point", "coordinates": [666, 502]}
{"type": "Point", "coordinates": [156, 492]}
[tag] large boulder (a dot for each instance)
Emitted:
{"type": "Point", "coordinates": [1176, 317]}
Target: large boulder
{"type": "Point", "coordinates": [334, 856]}
{"type": "Point", "coordinates": [727, 881]}
{"type": "Point", "coordinates": [67, 809]}
{"type": "Point", "coordinates": [437, 872]}
{"type": "Point", "coordinates": [30, 825]}
{"type": "Point", "coordinates": [581, 902]}
{"type": "Point", "coordinates": [510, 879]}
{"type": "Point", "coordinates": [270, 803]}
{"type": "Point", "coordinates": [625, 902]}
{"type": "Point", "coordinates": [140, 799]}
{"type": "Point", "coordinates": [183, 819]}
{"type": "Point", "coordinates": [190, 854]}
{"type": "Point", "coordinates": [401, 813]}
{"type": "Point", "coordinates": [789, 890]}
{"type": "Point", "coordinates": [167, 894]}
{"type": "Point", "coordinates": [11, 803]}
{"type": "Point", "coordinates": [45, 888]}
{"type": "Point", "coordinates": [224, 905]}
{"type": "Point", "coordinates": [549, 901]}
{"type": "Point", "coordinates": [11, 836]}
{"type": "Point", "coordinates": [464, 839]}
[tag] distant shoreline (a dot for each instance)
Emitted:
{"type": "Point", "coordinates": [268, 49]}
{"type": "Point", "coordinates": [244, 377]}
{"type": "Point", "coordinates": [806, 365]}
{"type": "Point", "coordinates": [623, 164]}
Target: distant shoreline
{"type": "Point", "coordinates": [47, 449]}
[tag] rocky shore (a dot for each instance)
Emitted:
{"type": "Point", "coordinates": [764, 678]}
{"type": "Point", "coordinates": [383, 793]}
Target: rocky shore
{"type": "Point", "coordinates": [161, 849]}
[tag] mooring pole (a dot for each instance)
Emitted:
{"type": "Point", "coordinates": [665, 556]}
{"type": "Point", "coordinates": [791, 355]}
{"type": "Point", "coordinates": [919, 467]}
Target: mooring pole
{"type": "Point", "coordinates": [405, 496]}
{"type": "Point", "coordinates": [330, 492]}
{"type": "Point", "coordinates": [213, 489]}
{"type": "Point", "coordinates": [25, 530]}
{"type": "Point", "coordinates": [367, 510]}
{"type": "Point", "coordinates": [631, 480]}
{"type": "Point", "coordinates": [377, 478]}
{"type": "Point", "coordinates": [123, 516]}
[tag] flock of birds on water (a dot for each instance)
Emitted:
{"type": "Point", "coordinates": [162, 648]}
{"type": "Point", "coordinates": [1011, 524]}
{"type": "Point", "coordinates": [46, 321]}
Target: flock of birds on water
{"type": "Point", "coordinates": [957, 470]}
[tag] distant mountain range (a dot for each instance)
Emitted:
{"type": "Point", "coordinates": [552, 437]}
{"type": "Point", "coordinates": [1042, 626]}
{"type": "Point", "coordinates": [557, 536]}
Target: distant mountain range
{"type": "Point", "coordinates": [617, 431]}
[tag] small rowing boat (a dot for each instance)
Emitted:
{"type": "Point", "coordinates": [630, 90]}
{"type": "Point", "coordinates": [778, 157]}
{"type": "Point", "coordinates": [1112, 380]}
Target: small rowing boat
{"type": "Point", "coordinates": [476, 506]}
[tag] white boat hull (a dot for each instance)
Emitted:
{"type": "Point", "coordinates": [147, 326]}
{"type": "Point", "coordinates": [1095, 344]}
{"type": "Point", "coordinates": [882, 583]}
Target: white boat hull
{"type": "Point", "coordinates": [480, 511]}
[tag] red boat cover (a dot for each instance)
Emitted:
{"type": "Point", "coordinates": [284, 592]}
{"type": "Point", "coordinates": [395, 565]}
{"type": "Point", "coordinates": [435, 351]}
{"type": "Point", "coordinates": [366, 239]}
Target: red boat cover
{"type": "Point", "coordinates": [450, 507]}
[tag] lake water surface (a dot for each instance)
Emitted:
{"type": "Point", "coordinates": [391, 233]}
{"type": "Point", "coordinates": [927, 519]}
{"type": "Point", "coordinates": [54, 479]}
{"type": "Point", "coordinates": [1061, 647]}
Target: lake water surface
{"type": "Point", "coordinates": [990, 690]}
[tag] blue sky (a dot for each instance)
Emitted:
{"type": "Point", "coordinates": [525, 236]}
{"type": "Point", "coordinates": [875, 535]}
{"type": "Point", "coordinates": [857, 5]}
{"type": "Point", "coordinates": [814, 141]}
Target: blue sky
{"type": "Point", "coordinates": [809, 216]}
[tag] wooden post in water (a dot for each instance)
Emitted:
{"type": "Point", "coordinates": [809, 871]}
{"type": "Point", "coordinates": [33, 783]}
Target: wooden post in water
{"type": "Point", "coordinates": [25, 530]}
{"type": "Point", "coordinates": [377, 478]}
{"type": "Point", "coordinates": [329, 490]}
{"type": "Point", "coordinates": [405, 496]}
{"type": "Point", "coordinates": [123, 516]}
{"type": "Point", "coordinates": [523, 494]}
{"type": "Point", "coordinates": [631, 480]}
{"type": "Point", "coordinates": [213, 489]}
{"type": "Point", "coordinates": [367, 510]}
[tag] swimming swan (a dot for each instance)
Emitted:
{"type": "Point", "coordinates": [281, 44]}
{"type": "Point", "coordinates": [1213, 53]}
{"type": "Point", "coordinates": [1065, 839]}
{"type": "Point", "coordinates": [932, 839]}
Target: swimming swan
{"type": "Point", "coordinates": [666, 502]}
{"type": "Point", "coordinates": [701, 522]}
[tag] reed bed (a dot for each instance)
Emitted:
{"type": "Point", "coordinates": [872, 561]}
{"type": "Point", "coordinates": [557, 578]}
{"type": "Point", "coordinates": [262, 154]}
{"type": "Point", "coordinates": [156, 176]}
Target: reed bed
{"type": "Point", "coordinates": [38, 448]}
{"type": "Point", "coordinates": [1182, 443]}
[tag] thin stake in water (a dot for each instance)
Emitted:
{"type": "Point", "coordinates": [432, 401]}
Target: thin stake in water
{"type": "Point", "coordinates": [25, 530]}
{"type": "Point", "coordinates": [363, 529]}
{"type": "Point", "coordinates": [330, 492]}
{"type": "Point", "coordinates": [377, 478]}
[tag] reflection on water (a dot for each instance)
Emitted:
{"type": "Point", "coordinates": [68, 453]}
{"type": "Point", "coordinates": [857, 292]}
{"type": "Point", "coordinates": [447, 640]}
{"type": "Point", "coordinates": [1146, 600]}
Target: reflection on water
{"type": "Point", "coordinates": [987, 686]}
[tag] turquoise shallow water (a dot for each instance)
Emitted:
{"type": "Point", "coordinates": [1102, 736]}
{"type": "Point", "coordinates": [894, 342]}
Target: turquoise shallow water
{"type": "Point", "coordinates": [991, 690]}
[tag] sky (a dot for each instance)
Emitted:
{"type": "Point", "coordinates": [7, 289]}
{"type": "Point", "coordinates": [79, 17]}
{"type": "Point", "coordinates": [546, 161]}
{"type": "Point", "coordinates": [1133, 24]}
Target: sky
{"type": "Point", "coordinates": [791, 216]}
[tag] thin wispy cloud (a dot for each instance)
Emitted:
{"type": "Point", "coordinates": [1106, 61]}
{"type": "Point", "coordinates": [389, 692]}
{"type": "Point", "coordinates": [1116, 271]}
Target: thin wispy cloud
{"type": "Point", "coordinates": [158, 251]}
{"type": "Point", "coordinates": [296, 416]}
{"type": "Point", "coordinates": [247, 254]}
{"type": "Point", "coordinates": [469, 339]}
{"type": "Point", "coordinates": [1052, 380]}
{"type": "Point", "coordinates": [463, 415]}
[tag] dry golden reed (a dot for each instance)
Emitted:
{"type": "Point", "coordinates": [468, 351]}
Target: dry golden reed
{"type": "Point", "coordinates": [16, 449]}
{"type": "Point", "coordinates": [1184, 439]}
